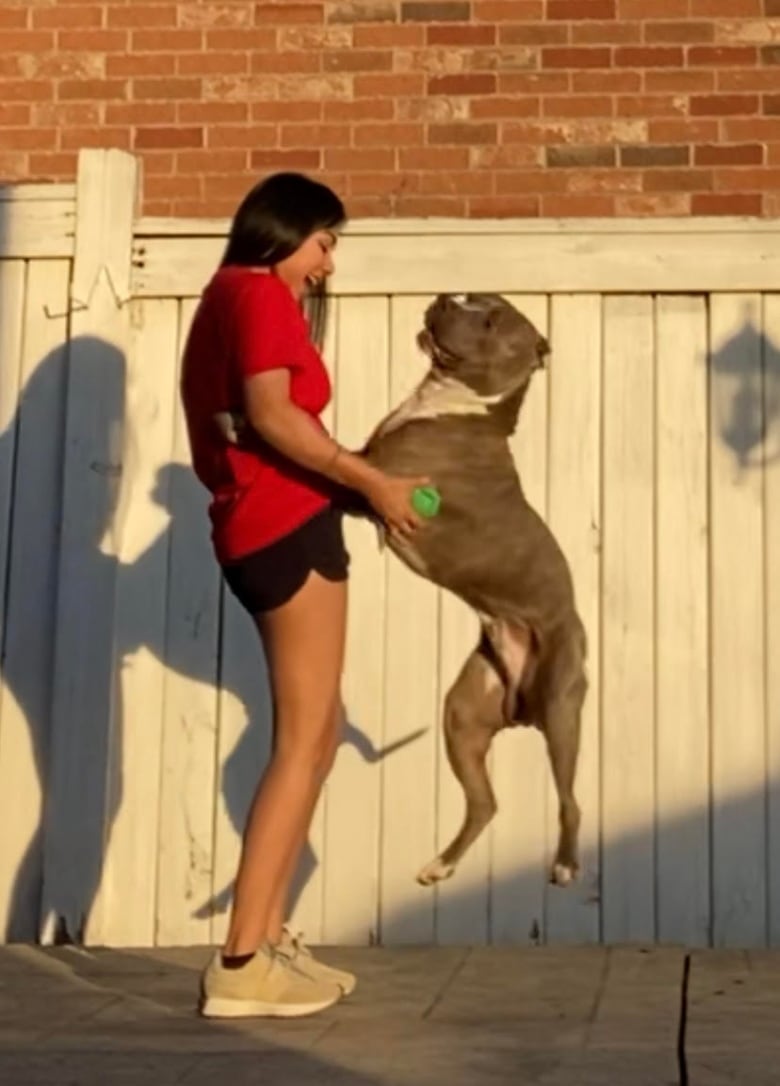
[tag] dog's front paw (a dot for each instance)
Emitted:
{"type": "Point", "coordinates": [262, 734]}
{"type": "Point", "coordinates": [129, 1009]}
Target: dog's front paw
{"type": "Point", "coordinates": [435, 871]}
{"type": "Point", "coordinates": [562, 874]}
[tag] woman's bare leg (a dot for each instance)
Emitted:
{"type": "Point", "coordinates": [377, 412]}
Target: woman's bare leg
{"type": "Point", "coordinates": [279, 905]}
{"type": "Point", "coordinates": [304, 645]}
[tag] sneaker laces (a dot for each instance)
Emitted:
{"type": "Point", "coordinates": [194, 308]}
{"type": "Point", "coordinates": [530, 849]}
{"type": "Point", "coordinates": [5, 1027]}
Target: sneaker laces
{"type": "Point", "coordinates": [295, 942]}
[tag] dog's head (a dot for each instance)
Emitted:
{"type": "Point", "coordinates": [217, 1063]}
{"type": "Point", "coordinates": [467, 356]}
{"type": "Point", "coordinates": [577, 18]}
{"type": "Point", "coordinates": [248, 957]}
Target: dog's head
{"type": "Point", "coordinates": [483, 341]}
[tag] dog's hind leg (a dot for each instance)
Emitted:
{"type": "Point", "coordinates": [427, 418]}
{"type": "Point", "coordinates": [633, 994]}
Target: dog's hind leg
{"type": "Point", "coordinates": [561, 725]}
{"type": "Point", "coordinates": [472, 715]}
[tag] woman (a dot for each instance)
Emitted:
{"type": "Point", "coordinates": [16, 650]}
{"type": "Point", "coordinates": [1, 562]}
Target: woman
{"type": "Point", "coordinates": [279, 542]}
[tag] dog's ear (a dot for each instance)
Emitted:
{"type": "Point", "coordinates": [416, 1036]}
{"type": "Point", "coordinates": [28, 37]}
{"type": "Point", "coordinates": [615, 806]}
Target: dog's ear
{"type": "Point", "coordinates": [542, 350]}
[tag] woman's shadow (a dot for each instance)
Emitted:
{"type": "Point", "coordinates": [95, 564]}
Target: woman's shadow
{"type": "Point", "coordinates": [81, 812]}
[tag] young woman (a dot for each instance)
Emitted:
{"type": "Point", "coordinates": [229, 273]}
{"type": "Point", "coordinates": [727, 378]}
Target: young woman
{"type": "Point", "coordinates": [279, 542]}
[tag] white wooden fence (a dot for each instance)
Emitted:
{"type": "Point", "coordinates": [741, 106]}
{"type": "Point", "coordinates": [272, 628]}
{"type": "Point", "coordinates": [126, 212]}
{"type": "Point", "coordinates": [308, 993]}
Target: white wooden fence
{"type": "Point", "coordinates": [134, 714]}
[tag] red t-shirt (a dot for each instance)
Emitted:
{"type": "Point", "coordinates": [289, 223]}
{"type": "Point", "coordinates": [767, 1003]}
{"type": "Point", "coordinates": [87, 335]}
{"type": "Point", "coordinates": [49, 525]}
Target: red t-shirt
{"type": "Point", "coordinates": [249, 322]}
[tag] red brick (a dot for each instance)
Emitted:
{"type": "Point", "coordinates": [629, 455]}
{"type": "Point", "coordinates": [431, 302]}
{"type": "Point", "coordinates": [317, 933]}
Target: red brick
{"type": "Point", "coordinates": [32, 139]}
{"type": "Point", "coordinates": [682, 131]}
{"type": "Point", "coordinates": [603, 181]}
{"type": "Point", "coordinates": [504, 207]}
{"type": "Point", "coordinates": [363, 11]}
{"type": "Point", "coordinates": [15, 114]}
{"type": "Point", "coordinates": [13, 165]}
{"type": "Point", "coordinates": [211, 15]}
{"type": "Point", "coordinates": [507, 11]}
{"type": "Point", "coordinates": [58, 17]}
{"type": "Point", "coordinates": [507, 157]}
{"type": "Point", "coordinates": [577, 107]}
{"type": "Point", "coordinates": [389, 135]}
{"type": "Point", "coordinates": [26, 41]}
{"type": "Point", "coordinates": [722, 105]}
{"type": "Point", "coordinates": [495, 108]}
{"type": "Point", "coordinates": [58, 164]}
{"type": "Point", "coordinates": [288, 14]}
{"type": "Point", "coordinates": [141, 15]}
{"type": "Point", "coordinates": [462, 84]}
{"type": "Point", "coordinates": [15, 18]}
{"type": "Point", "coordinates": [679, 31]}
{"type": "Point", "coordinates": [224, 40]}
{"type": "Point", "coordinates": [104, 89]}
{"type": "Point", "coordinates": [687, 82]}
{"type": "Point", "coordinates": [770, 54]}
{"type": "Point", "coordinates": [722, 56]}
{"type": "Point", "coordinates": [370, 206]}
{"type": "Point", "coordinates": [166, 89]}
{"type": "Point", "coordinates": [723, 203]}
{"type": "Point", "coordinates": [170, 41]}
{"type": "Point", "coordinates": [389, 86]}
{"type": "Point", "coordinates": [606, 33]}
{"type": "Point", "coordinates": [423, 206]}
{"type": "Point", "coordinates": [577, 9]}
{"type": "Point", "coordinates": [237, 135]}
{"type": "Point", "coordinates": [157, 187]}
{"type": "Point", "coordinates": [129, 64]}
{"type": "Point", "coordinates": [670, 204]}
{"type": "Point", "coordinates": [359, 159]}
{"type": "Point", "coordinates": [315, 135]}
{"type": "Point", "coordinates": [172, 136]}
{"type": "Point", "coordinates": [159, 163]}
{"type": "Point", "coordinates": [530, 181]}
{"type": "Point", "coordinates": [209, 63]}
{"type": "Point", "coordinates": [291, 111]}
{"type": "Point", "coordinates": [202, 161]}
{"type": "Point", "coordinates": [579, 157]}
{"type": "Point", "coordinates": [358, 60]}
{"type": "Point", "coordinates": [748, 79]}
{"type": "Point", "coordinates": [456, 34]}
{"type": "Point", "coordinates": [226, 186]}
{"type": "Point", "coordinates": [746, 129]}
{"type": "Point", "coordinates": [133, 113]}
{"type": "Point", "coordinates": [570, 204]}
{"type": "Point", "coordinates": [533, 34]}
{"type": "Point", "coordinates": [740, 179]}
{"type": "Point", "coordinates": [282, 63]}
{"type": "Point", "coordinates": [469, 134]}
{"type": "Point", "coordinates": [720, 154]}
{"type": "Point", "coordinates": [376, 109]}
{"type": "Point", "coordinates": [692, 180]}
{"type": "Point", "coordinates": [470, 183]}
{"type": "Point", "coordinates": [650, 105]}
{"type": "Point", "coordinates": [654, 157]}
{"type": "Point", "coordinates": [207, 112]}
{"type": "Point", "coordinates": [94, 41]}
{"type": "Point", "coordinates": [433, 158]}
{"type": "Point", "coordinates": [382, 36]}
{"type": "Point", "coordinates": [621, 82]}
{"type": "Point", "coordinates": [436, 11]}
{"type": "Point", "coordinates": [73, 139]}
{"type": "Point", "coordinates": [650, 57]}
{"type": "Point", "coordinates": [726, 7]}
{"type": "Point", "coordinates": [576, 58]}
{"type": "Point", "coordinates": [26, 90]}
{"type": "Point", "coordinates": [652, 9]}
{"type": "Point", "coordinates": [382, 184]}
{"type": "Point", "coordinates": [534, 82]}
{"type": "Point", "coordinates": [297, 159]}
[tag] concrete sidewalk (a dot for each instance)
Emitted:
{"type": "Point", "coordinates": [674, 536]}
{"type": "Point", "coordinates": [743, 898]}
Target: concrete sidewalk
{"type": "Point", "coordinates": [420, 1017]}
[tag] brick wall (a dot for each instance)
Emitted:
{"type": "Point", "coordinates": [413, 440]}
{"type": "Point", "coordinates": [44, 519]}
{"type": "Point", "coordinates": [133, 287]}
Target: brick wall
{"type": "Point", "coordinates": [409, 107]}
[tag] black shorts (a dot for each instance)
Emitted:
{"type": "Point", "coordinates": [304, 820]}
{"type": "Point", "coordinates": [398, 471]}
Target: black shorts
{"type": "Point", "coordinates": [269, 577]}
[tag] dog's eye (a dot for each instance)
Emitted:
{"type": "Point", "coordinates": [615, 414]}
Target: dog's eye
{"type": "Point", "coordinates": [487, 324]}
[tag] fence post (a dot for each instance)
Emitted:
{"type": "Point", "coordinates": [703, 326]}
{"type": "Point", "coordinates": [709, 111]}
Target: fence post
{"type": "Point", "coordinates": [83, 704]}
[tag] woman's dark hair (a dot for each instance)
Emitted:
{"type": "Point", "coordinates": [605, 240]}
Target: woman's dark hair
{"type": "Point", "coordinates": [274, 219]}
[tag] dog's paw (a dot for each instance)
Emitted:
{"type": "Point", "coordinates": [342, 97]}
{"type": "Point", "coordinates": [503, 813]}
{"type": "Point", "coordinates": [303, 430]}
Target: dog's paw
{"type": "Point", "coordinates": [563, 874]}
{"type": "Point", "coordinates": [435, 871]}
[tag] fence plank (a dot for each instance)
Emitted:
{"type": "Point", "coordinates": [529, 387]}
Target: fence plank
{"type": "Point", "coordinates": [627, 691]}
{"type": "Point", "coordinates": [31, 539]}
{"type": "Point", "coordinates": [771, 460]}
{"type": "Point", "coordinates": [737, 592]}
{"type": "Point", "coordinates": [92, 521]}
{"type": "Point", "coordinates": [411, 699]}
{"type": "Point", "coordinates": [190, 709]}
{"type": "Point", "coordinates": [682, 673]}
{"type": "Point", "coordinates": [351, 874]}
{"type": "Point", "coordinates": [130, 866]}
{"type": "Point", "coordinates": [574, 505]}
{"type": "Point", "coordinates": [519, 769]}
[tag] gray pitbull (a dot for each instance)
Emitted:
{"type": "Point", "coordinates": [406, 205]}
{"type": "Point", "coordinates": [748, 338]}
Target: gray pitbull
{"type": "Point", "coordinates": [491, 549]}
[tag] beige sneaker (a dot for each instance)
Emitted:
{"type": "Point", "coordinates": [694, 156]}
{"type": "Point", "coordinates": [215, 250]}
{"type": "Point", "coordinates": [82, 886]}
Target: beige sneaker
{"type": "Point", "coordinates": [265, 987]}
{"type": "Point", "coordinates": [293, 949]}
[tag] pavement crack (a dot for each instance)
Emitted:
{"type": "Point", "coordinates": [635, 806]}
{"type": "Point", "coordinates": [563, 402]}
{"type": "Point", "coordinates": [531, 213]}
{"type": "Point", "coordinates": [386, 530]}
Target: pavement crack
{"type": "Point", "coordinates": [457, 968]}
{"type": "Point", "coordinates": [682, 1061]}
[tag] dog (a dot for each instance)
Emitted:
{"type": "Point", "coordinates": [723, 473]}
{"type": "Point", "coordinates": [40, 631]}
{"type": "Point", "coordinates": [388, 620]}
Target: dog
{"type": "Point", "coordinates": [492, 550]}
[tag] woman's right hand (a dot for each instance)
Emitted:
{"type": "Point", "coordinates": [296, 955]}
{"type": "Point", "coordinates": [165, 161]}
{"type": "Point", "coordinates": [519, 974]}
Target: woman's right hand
{"type": "Point", "coordinates": [391, 497]}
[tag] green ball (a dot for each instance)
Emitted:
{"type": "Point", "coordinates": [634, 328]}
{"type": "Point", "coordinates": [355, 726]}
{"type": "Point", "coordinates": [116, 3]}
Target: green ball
{"type": "Point", "coordinates": [426, 501]}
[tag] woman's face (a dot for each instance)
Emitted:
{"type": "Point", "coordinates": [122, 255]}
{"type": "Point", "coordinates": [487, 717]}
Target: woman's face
{"type": "Point", "coordinates": [310, 263]}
